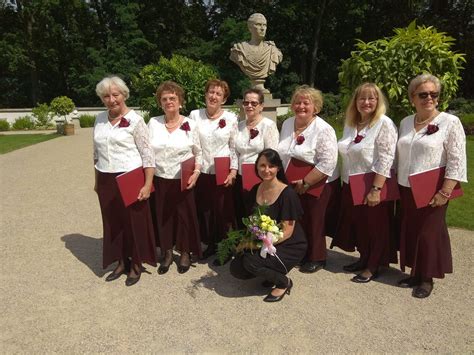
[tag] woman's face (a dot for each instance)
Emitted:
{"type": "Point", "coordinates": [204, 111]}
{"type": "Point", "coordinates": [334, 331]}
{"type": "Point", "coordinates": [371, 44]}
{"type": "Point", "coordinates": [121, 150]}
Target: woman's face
{"type": "Point", "coordinates": [366, 102]}
{"type": "Point", "coordinates": [425, 98]}
{"type": "Point", "coordinates": [169, 102]}
{"type": "Point", "coordinates": [266, 170]}
{"type": "Point", "coordinates": [303, 107]}
{"type": "Point", "coordinates": [252, 106]}
{"type": "Point", "coordinates": [214, 98]}
{"type": "Point", "coordinates": [114, 100]}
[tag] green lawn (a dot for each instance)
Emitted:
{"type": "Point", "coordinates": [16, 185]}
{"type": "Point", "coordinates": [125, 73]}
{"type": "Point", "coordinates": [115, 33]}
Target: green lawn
{"type": "Point", "coordinates": [12, 142]}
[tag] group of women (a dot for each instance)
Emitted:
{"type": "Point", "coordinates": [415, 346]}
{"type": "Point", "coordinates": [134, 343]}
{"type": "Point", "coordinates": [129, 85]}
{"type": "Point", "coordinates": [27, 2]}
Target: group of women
{"type": "Point", "coordinates": [204, 211]}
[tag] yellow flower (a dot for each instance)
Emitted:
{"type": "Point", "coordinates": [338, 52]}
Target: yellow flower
{"type": "Point", "coordinates": [264, 226]}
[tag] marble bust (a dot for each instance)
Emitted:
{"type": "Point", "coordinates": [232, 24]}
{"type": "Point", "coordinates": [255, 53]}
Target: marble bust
{"type": "Point", "coordinates": [256, 58]}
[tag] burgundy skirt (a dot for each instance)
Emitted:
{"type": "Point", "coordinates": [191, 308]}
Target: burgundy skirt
{"type": "Point", "coordinates": [176, 217]}
{"type": "Point", "coordinates": [424, 240]}
{"type": "Point", "coordinates": [128, 231]}
{"type": "Point", "coordinates": [333, 209]}
{"type": "Point", "coordinates": [313, 221]}
{"type": "Point", "coordinates": [242, 202]}
{"type": "Point", "coordinates": [366, 228]}
{"type": "Point", "coordinates": [215, 209]}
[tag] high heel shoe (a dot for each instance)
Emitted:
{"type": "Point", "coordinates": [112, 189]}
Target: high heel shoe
{"type": "Point", "coordinates": [115, 275]}
{"type": "Point", "coordinates": [184, 266]}
{"type": "Point", "coordinates": [362, 279]}
{"type": "Point", "coordinates": [130, 281]}
{"type": "Point", "coordinates": [165, 265]}
{"type": "Point", "coordinates": [271, 298]}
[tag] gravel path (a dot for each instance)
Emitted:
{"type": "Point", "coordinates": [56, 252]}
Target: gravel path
{"type": "Point", "coordinates": [54, 298]}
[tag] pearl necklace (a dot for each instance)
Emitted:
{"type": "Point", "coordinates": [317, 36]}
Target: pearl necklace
{"type": "Point", "coordinates": [298, 130]}
{"type": "Point", "coordinates": [173, 126]}
{"type": "Point", "coordinates": [214, 116]}
{"type": "Point", "coordinates": [422, 122]}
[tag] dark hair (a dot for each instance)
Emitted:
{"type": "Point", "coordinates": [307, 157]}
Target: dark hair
{"type": "Point", "coordinates": [273, 158]}
{"type": "Point", "coordinates": [259, 93]}
{"type": "Point", "coordinates": [170, 86]}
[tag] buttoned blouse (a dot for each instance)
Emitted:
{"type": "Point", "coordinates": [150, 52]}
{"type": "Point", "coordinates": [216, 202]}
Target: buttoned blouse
{"type": "Point", "coordinates": [172, 148]}
{"type": "Point", "coordinates": [319, 146]}
{"type": "Point", "coordinates": [248, 149]}
{"type": "Point", "coordinates": [120, 149]}
{"type": "Point", "coordinates": [419, 151]}
{"type": "Point", "coordinates": [375, 152]}
{"type": "Point", "coordinates": [216, 141]}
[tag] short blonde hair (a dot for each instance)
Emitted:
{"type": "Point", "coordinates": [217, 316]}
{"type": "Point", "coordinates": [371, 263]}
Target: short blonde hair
{"type": "Point", "coordinates": [103, 87]}
{"type": "Point", "coordinates": [311, 93]}
{"type": "Point", "coordinates": [421, 79]}
{"type": "Point", "coordinates": [353, 116]}
{"type": "Point", "coordinates": [220, 84]}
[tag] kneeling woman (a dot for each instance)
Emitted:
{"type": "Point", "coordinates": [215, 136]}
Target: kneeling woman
{"type": "Point", "coordinates": [284, 207]}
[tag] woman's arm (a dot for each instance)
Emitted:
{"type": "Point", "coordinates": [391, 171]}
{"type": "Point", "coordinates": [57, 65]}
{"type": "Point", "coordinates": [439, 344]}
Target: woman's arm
{"type": "Point", "coordinates": [287, 227]}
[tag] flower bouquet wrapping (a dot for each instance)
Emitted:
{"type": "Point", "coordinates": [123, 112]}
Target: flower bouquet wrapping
{"type": "Point", "coordinates": [261, 232]}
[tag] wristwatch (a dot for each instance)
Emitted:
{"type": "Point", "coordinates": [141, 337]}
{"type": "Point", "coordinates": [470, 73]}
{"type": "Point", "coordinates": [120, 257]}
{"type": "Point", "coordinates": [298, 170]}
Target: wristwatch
{"type": "Point", "coordinates": [376, 188]}
{"type": "Point", "coordinates": [305, 184]}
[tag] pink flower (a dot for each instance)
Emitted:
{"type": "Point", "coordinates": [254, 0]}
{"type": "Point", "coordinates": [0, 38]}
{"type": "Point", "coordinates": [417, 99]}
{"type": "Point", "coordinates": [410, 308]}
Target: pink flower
{"type": "Point", "coordinates": [124, 122]}
{"type": "Point", "coordinates": [253, 133]}
{"type": "Point", "coordinates": [185, 127]}
{"type": "Point", "coordinates": [358, 138]}
{"type": "Point", "coordinates": [222, 123]}
{"type": "Point", "coordinates": [300, 139]}
{"type": "Point", "coordinates": [432, 128]}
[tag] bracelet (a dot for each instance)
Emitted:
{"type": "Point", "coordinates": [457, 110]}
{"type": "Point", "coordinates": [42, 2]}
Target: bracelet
{"type": "Point", "coordinates": [446, 195]}
{"type": "Point", "coordinates": [305, 184]}
{"type": "Point", "coordinates": [376, 188]}
{"type": "Point", "coordinates": [197, 171]}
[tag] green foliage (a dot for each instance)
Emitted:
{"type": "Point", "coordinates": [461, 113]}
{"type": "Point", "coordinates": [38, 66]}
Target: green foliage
{"type": "Point", "coordinates": [4, 125]}
{"type": "Point", "coordinates": [226, 247]}
{"type": "Point", "coordinates": [462, 105]}
{"type": "Point", "coordinates": [467, 120]}
{"type": "Point", "coordinates": [86, 120]}
{"type": "Point", "coordinates": [24, 123]}
{"type": "Point", "coordinates": [42, 114]}
{"type": "Point", "coordinates": [332, 105]}
{"type": "Point", "coordinates": [392, 62]}
{"type": "Point", "coordinates": [191, 75]}
{"type": "Point", "coordinates": [62, 106]}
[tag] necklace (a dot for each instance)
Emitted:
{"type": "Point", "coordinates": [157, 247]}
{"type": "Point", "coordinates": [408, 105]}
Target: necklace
{"type": "Point", "coordinates": [298, 130]}
{"type": "Point", "coordinates": [253, 123]}
{"type": "Point", "coordinates": [214, 116]}
{"type": "Point", "coordinates": [170, 127]}
{"type": "Point", "coordinates": [422, 122]}
{"type": "Point", "coordinates": [111, 119]}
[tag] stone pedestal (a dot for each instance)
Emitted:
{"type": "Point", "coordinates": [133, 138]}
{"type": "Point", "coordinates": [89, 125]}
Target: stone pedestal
{"type": "Point", "coordinates": [270, 106]}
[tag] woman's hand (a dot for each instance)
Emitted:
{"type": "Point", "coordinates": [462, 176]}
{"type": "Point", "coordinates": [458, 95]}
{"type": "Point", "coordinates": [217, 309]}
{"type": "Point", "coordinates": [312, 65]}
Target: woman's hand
{"type": "Point", "coordinates": [373, 198]}
{"type": "Point", "coordinates": [229, 181]}
{"type": "Point", "coordinates": [144, 193]}
{"type": "Point", "coordinates": [438, 200]}
{"type": "Point", "coordinates": [300, 186]}
{"type": "Point", "coordinates": [193, 179]}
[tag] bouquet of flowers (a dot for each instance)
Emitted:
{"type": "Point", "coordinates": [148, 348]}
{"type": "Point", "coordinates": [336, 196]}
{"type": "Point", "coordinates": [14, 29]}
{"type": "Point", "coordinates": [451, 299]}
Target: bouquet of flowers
{"type": "Point", "coordinates": [261, 232]}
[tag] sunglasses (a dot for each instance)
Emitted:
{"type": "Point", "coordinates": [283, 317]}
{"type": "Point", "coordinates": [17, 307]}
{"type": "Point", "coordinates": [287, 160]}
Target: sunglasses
{"type": "Point", "coordinates": [424, 95]}
{"type": "Point", "coordinates": [251, 103]}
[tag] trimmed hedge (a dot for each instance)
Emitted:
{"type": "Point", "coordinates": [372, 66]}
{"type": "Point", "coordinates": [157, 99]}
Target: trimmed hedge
{"type": "Point", "coordinates": [24, 123]}
{"type": "Point", "coordinates": [4, 125]}
{"type": "Point", "coordinates": [86, 120]}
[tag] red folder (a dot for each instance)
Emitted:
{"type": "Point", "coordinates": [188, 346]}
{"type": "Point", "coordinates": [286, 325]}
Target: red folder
{"type": "Point", "coordinates": [187, 169]}
{"type": "Point", "coordinates": [249, 178]}
{"type": "Point", "coordinates": [130, 184]}
{"type": "Point", "coordinates": [362, 183]}
{"type": "Point", "coordinates": [298, 169]}
{"type": "Point", "coordinates": [425, 185]}
{"type": "Point", "coordinates": [222, 167]}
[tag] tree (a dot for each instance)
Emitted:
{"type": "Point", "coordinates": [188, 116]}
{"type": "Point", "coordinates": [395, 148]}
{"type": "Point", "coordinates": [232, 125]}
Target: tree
{"type": "Point", "coordinates": [392, 62]}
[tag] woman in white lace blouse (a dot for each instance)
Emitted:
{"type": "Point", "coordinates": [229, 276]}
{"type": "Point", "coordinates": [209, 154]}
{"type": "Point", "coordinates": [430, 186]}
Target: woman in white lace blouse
{"type": "Point", "coordinates": [121, 144]}
{"type": "Point", "coordinates": [255, 134]}
{"type": "Point", "coordinates": [368, 145]}
{"type": "Point", "coordinates": [175, 139]}
{"type": "Point", "coordinates": [427, 140]}
{"type": "Point", "coordinates": [307, 137]}
{"type": "Point", "coordinates": [217, 130]}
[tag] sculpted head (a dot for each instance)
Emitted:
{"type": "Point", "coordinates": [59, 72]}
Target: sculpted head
{"type": "Point", "coordinates": [257, 24]}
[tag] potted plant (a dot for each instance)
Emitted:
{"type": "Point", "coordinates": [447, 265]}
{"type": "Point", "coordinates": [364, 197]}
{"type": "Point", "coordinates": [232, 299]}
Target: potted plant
{"type": "Point", "coordinates": [63, 106]}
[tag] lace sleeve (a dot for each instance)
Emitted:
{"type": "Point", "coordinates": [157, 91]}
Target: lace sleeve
{"type": "Point", "coordinates": [233, 155]}
{"type": "Point", "coordinates": [142, 140]}
{"type": "Point", "coordinates": [455, 147]}
{"type": "Point", "coordinates": [385, 146]}
{"type": "Point", "coordinates": [326, 151]}
{"type": "Point", "coordinates": [197, 151]}
{"type": "Point", "coordinates": [272, 137]}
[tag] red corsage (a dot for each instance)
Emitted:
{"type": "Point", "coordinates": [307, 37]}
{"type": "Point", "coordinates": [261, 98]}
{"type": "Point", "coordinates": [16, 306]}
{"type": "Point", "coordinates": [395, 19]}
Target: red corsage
{"type": "Point", "coordinates": [124, 122]}
{"type": "Point", "coordinates": [358, 138]}
{"type": "Point", "coordinates": [432, 128]}
{"type": "Point", "coordinates": [222, 123]}
{"type": "Point", "coordinates": [300, 139]}
{"type": "Point", "coordinates": [185, 127]}
{"type": "Point", "coordinates": [253, 133]}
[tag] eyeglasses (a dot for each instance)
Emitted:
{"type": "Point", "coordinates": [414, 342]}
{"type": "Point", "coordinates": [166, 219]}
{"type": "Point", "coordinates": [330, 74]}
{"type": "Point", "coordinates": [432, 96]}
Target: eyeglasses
{"type": "Point", "coordinates": [424, 95]}
{"type": "Point", "coordinates": [251, 103]}
{"type": "Point", "coordinates": [370, 99]}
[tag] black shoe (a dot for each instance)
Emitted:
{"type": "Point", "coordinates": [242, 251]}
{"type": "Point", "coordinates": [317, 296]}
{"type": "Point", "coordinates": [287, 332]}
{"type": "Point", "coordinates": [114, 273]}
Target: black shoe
{"type": "Point", "coordinates": [357, 266]}
{"type": "Point", "coordinates": [130, 281]}
{"type": "Point", "coordinates": [362, 279]}
{"type": "Point", "coordinates": [271, 298]}
{"type": "Point", "coordinates": [409, 282]}
{"type": "Point", "coordinates": [163, 269]}
{"type": "Point", "coordinates": [312, 266]}
{"type": "Point", "coordinates": [184, 266]}
{"type": "Point", "coordinates": [423, 292]}
{"type": "Point", "coordinates": [267, 284]}
{"type": "Point", "coordinates": [166, 263]}
{"type": "Point", "coordinates": [115, 275]}
{"type": "Point", "coordinates": [210, 251]}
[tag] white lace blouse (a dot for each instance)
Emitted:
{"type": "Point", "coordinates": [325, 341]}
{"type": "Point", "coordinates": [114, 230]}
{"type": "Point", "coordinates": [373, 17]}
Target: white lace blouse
{"type": "Point", "coordinates": [318, 146]}
{"type": "Point", "coordinates": [217, 138]}
{"type": "Point", "coordinates": [375, 152]}
{"type": "Point", "coordinates": [171, 149]}
{"type": "Point", "coordinates": [419, 151]}
{"type": "Point", "coordinates": [120, 149]}
{"type": "Point", "coordinates": [248, 148]}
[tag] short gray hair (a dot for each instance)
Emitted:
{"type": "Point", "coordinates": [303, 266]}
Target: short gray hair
{"type": "Point", "coordinates": [103, 87]}
{"type": "Point", "coordinates": [421, 79]}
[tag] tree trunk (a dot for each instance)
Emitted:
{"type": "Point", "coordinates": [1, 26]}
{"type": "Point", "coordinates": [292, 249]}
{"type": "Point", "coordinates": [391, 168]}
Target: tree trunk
{"type": "Point", "coordinates": [317, 34]}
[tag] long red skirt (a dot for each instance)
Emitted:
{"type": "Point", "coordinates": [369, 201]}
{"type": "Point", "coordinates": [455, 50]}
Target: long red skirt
{"type": "Point", "coordinates": [215, 209]}
{"type": "Point", "coordinates": [128, 231]}
{"type": "Point", "coordinates": [333, 208]}
{"type": "Point", "coordinates": [314, 220]}
{"type": "Point", "coordinates": [424, 240]}
{"type": "Point", "coordinates": [176, 217]}
{"type": "Point", "coordinates": [366, 228]}
{"type": "Point", "coordinates": [242, 203]}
